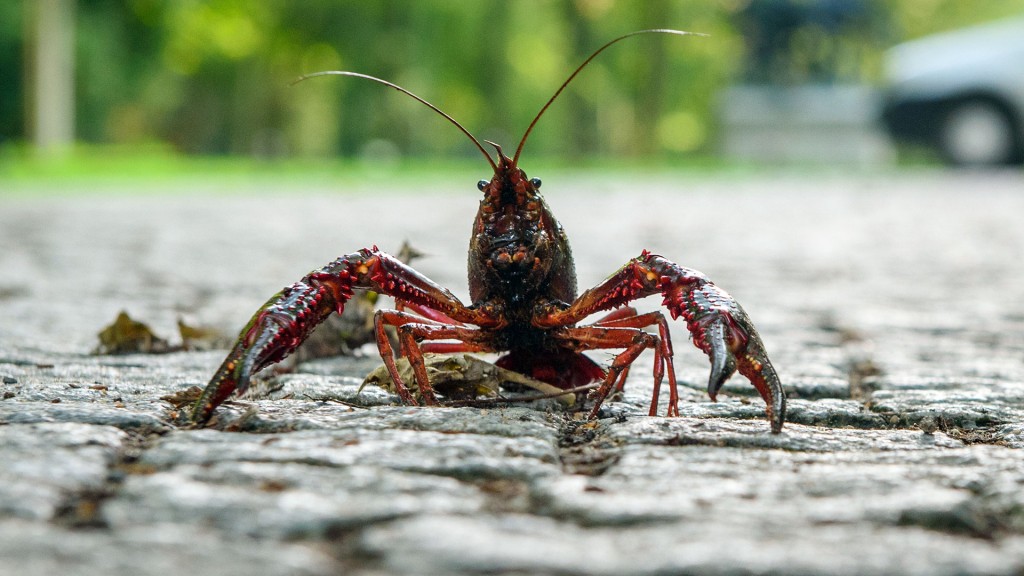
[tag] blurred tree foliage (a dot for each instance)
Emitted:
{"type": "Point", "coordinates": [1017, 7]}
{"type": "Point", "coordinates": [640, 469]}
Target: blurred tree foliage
{"type": "Point", "coordinates": [214, 76]}
{"type": "Point", "coordinates": [11, 73]}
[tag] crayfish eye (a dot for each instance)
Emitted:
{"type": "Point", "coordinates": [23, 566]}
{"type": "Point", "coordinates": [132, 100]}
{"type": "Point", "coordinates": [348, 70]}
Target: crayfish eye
{"type": "Point", "coordinates": [535, 182]}
{"type": "Point", "coordinates": [482, 184]}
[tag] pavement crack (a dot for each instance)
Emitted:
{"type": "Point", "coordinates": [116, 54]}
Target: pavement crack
{"type": "Point", "coordinates": [861, 373]}
{"type": "Point", "coordinates": [82, 509]}
{"type": "Point", "coordinates": [978, 517]}
{"type": "Point", "coordinates": [582, 450]}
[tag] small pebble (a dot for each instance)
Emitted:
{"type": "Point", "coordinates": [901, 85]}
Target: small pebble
{"type": "Point", "coordinates": [928, 425]}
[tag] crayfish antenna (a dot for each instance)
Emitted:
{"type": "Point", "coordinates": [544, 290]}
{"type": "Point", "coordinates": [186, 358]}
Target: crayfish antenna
{"type": "Point", "coordinates": [407, 93]}
{"type": "Point", "coordinates": [515, 159]}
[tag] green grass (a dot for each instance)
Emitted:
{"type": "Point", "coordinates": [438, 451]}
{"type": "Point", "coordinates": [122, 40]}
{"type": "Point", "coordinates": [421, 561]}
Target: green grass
{"type": "Point", "coordinates": [157, 169]}
{"type": "Point", "coordinates": [156, 165]}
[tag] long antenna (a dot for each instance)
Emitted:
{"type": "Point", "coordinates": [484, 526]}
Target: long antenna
{"type": "Point", "coordinates": [515, 159]}
{"type": "Point", "coordinates": [415, 97]}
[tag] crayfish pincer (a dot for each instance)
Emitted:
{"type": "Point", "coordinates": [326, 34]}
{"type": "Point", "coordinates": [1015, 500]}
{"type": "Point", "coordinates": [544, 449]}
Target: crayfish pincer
{"type": "Point", "coordinates": [522, 283]}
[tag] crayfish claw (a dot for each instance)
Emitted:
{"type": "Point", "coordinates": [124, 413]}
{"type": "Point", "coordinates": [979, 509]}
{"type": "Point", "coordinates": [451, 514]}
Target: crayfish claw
{"type": "Point", "coordinates": [246, 358]}
{"type": "Point", "coordinates": [721, 329]}
{"type": "Point", "coordinates": [274, 332]}
{"type": "Point", "coordinates": [734, 332]}
{"type": "Point", "coordinates": [290, 316]}
{"type": "Point", "coordinates": [723, 365]}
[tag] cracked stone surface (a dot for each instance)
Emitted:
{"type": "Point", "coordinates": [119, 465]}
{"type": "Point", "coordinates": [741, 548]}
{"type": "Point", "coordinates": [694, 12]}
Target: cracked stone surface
{"type": "Point", "coordinates": [892, 306]}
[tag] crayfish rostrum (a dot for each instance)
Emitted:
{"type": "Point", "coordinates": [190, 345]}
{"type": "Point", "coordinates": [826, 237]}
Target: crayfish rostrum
{"type": "Point", "coordinates": [522, 283]}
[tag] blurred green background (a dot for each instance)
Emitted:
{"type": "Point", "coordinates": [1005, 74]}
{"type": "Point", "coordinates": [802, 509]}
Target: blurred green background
{"type": "Point", "coordinates": [183, 79]}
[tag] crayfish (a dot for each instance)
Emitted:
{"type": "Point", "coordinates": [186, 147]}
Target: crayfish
{"type": "Point", "coordinates": [522, 283]}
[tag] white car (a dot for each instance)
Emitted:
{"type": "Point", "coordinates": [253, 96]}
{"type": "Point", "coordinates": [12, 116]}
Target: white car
{"type": "Point", "coordinates": [961, 92]}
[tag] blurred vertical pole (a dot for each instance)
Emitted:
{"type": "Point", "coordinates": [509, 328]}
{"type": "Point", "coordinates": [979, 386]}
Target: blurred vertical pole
{"type": "Point", "coordinates": [51, 70]}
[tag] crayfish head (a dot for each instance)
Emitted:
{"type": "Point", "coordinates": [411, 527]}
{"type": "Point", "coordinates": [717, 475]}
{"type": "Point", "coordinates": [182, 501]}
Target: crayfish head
{"type": "Point", "coordinates": [509, 188]}
{"type": "Point", "coordinates": [515, 239]}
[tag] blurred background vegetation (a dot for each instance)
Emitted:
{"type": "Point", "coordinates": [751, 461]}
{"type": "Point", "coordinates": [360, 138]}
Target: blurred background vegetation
{"type": "Point", "coordinates": [213, 77]}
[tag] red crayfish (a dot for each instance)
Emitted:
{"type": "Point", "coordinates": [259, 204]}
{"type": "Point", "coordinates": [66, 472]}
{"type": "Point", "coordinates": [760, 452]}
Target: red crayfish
{"type": "Point", "coordinates": [522, 283]}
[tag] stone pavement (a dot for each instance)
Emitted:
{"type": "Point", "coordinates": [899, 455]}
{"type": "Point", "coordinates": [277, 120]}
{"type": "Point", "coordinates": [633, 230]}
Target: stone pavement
{"type": "Point", "coordinates": [892, 306]}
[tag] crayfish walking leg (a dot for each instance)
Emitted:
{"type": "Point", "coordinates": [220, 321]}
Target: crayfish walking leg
{"type": "Point", "coordinates": [411, 330]}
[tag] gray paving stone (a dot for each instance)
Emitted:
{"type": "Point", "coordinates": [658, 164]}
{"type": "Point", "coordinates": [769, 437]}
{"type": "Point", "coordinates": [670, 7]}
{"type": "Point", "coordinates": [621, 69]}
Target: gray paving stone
{"type": "Point", "coordinates": [450, 452]}
{"type": "Point", "coordinates": [284, 500]}
{"type": "Point", "coordinates": [535, 545]}
{"type": "Point", "coordinates": [37, 549]}
{"type": "Point", "coordinates": [44, 463]}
